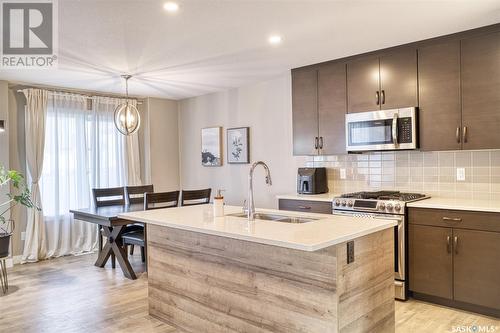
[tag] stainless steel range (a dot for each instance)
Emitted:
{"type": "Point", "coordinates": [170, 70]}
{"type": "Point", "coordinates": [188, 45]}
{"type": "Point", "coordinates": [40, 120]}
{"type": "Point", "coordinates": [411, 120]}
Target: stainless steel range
{"type": "Point", "coordinates": [386, 205]}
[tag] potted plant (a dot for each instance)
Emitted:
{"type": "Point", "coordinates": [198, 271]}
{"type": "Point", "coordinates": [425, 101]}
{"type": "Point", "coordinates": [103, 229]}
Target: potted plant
{"type": "Point", "coordinates": [19, 194]}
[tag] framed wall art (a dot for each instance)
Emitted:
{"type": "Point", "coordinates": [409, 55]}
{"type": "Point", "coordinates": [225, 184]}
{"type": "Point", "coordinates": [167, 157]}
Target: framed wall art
{"type": "Point", "coordinates": [211, 146]}
{"type": "Point", "coordinates": [238, 145]}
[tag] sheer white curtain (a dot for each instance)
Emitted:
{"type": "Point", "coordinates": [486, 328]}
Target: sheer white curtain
{"type": "Point", "coordinates": [118, 147]}
{"type": "Point", "coordinates": [65, 178]}
{"type": "Point", "coordinates": [83, 150]}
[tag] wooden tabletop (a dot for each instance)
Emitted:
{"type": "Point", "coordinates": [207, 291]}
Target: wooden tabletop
{"type": "Point", "coordinates": [107, 215]}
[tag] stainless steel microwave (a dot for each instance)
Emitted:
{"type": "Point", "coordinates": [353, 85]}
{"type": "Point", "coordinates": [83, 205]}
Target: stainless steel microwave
{"type": "Point", "coordinates": [382, 130]}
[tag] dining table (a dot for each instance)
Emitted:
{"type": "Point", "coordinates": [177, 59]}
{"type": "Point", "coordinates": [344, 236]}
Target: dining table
{"type": "Point", "coordinates": [112, 229]}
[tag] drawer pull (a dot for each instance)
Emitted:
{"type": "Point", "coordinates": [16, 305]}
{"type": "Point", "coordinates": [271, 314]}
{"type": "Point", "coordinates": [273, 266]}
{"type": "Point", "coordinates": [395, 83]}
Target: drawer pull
{"type": "Point", "coordinates": [304, 207]}
{"type": "Point", "coordinates": [452, 219]}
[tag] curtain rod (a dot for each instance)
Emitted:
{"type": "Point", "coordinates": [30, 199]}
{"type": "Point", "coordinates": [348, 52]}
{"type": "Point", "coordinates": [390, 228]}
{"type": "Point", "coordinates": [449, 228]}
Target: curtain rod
{"type": "Point", "coordinates": [62, 93]}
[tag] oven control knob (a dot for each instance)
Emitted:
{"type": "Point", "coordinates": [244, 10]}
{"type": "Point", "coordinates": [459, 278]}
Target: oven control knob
{"type": "Point", "coordinates": [397, 207]}
{"type": "Point", "coordinates": [343, 203]}
{"type": "Point", "coordinates": [337, 202]}
{"type": "Point", "coordinates": [381, 206]}
{"type": "Point", "coordinates": [389, 206]}
{"type": "Point", "coordinates": [349, 203]}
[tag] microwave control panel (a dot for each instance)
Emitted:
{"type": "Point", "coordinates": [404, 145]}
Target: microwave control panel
{"type": "Point", "coordinates": [405, 130]}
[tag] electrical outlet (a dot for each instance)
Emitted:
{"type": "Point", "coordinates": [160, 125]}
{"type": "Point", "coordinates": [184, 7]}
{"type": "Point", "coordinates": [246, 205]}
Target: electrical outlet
{"type": "Point", "coordinates": [460, 174]}
{"type": "Point", "coordinates": [23, 235]}
{"type": "Point", "coordinates": [343, 174]}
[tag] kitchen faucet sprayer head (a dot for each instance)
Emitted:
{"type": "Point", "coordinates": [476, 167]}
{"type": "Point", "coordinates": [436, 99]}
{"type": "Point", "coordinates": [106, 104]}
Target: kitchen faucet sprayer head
{"type": "Point", "coordinates": [269, 180]}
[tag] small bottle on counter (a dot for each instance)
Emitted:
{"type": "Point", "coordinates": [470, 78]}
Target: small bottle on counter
{"type": "Point", "coordinates": [219, 204]}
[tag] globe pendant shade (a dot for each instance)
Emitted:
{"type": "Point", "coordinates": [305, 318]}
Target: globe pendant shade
{"type": "Point", "coordinates": [127, 118]}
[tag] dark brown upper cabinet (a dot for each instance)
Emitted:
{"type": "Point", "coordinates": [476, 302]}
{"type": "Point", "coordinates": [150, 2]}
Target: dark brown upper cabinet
{"type": "Point", "coordinates": [363, 85]}
{"type": "Point", "coordinates": [305, 111]}
{"type": "Point", "coordinates": [398, 79]}
{"type": "Point", "coordinates": [383, 82]}
{"type": "Point", "coordinates": [453, 80]}
{"type": "Point", "coordinates": [440, 115]}
{"type": "Point", "coordinates": [332, 108]}
{"type": "Point", "coordinates": [481, 91]}
{"type": "Point", "coordinates": [319, 108]}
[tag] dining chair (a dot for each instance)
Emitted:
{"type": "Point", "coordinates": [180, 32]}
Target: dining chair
{"type": "Point", "coordinates": [135, 195]}
{"type": "Point", "coordinates": [111, 196]}
{"type": "Point", "coordinates": [195, 197]}
{"type": "Point", "coordinates": [151, 201]}
{"type": "Point", "coordinates": [103, 197]}
{"type": "Point", "coordinates": [161, 200]}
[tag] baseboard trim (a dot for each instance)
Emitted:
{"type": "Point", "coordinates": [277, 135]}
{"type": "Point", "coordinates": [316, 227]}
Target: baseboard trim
{"type": "Point", "coordinates": [15, 260]}
{"type": "Point", "coordinates": [456, 304]}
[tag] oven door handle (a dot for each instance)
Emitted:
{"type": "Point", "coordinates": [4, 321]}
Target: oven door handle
{"type": "Point", "coordinates": [375, 216]}
{"type": "Point", "coordinates": [395, 129]}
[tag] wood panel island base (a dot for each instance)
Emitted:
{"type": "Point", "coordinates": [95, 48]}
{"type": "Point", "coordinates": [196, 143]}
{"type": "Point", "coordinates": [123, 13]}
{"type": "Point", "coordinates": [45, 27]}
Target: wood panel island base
{"type": "Point", "coordinates": [202, 282]}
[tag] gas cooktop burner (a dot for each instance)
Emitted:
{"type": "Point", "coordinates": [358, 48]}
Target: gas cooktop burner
{"type": "Point", "coordinates": [384, 195]}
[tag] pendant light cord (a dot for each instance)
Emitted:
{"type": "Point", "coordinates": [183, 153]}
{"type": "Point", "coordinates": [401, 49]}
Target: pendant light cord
{"type": "Point", "coordinates": [126, 77]}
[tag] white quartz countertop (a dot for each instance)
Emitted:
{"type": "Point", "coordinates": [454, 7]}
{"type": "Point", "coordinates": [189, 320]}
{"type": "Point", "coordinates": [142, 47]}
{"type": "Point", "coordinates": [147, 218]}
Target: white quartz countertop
{"type": "Point", "coordinates": [326, 197]}
{"type": "Point", "coordinates": [458, 204]}
{"type": "Point", "coordinates": [328, 230]}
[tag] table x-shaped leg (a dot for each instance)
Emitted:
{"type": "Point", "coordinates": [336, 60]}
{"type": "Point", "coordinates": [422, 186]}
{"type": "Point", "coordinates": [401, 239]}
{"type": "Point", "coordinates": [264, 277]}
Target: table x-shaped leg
{"type": "Point", "coordinates": [114, 246]}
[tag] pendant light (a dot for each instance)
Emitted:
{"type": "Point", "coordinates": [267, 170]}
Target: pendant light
{"type": "Point", "coordinates": [127, 117]}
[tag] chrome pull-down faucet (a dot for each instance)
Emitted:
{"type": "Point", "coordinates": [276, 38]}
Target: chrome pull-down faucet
{"type": "Point", "coordinates": [250, 202]}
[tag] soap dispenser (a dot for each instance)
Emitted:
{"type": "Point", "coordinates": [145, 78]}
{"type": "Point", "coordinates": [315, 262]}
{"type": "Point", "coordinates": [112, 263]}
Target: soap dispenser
{"type": "Point", "coordinates": [219, 204]}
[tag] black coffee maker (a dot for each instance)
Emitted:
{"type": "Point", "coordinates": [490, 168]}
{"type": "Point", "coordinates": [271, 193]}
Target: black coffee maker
{"type": "Point", "coordinates": [311, 181]}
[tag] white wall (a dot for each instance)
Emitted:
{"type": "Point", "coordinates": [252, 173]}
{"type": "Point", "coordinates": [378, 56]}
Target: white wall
{"type": "Point", "coordinates": [161, 144]}
{"type": "Point", "coordinates": [266, 109]}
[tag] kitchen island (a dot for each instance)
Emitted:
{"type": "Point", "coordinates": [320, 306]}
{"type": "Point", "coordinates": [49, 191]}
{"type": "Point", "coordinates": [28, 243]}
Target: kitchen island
{"type": "Point", "coordinates": [228, 274]}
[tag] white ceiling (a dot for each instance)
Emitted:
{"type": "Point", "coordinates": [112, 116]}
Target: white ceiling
{"type": "Point", "coordinates": [211, 45]}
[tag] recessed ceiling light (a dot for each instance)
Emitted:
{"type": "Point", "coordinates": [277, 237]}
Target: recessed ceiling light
{"type": "Point", "coordinates": [275, 39]}
{"type": "Point", "coordinates": [171, 6]}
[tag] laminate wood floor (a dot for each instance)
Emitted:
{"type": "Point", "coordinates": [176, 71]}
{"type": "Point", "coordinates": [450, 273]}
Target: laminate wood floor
{"type": "Point", "coordinates": [70, 294]}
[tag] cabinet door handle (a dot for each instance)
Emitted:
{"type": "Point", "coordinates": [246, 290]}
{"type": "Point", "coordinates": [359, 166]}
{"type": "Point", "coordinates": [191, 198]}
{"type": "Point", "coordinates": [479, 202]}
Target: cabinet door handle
{"type": "Point", "coordinates": [457, 134]}
{"type": "Point", "coordinates": [382, 93]}
{"type": "Point", "coordinates": [377, 98]}
{"type": "Point", "coordinates": [452, 219]}
{"type": "Point", "coordinates": [316, 144]}
{"type": "Point", "coordinates": [464, 135]}
{"type": "Point", "coordinates": [304, 207]}
{"type": "Point", "coordinates": [448, 244]}
{"type": "Point", "coordinates": [455, 244]}
{"type": "Point", "coordinates": [320, 142]}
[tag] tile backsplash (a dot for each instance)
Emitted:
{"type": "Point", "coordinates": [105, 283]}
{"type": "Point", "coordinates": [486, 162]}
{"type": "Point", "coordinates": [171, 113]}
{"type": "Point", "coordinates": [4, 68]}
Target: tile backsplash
{"type": "Point", "coordinates": [432, 173]}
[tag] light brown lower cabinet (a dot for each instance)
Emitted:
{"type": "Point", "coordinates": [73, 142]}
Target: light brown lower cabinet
{"type": "Point", "coordinates": [452, 263]}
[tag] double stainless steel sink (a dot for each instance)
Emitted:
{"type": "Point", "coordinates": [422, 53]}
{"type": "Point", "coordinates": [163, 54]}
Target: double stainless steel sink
{"type": "Point", "coordinates": [277, 217]}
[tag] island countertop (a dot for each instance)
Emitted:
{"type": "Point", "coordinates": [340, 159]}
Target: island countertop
{"type": "Point", "coordinates": [328, 230]}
